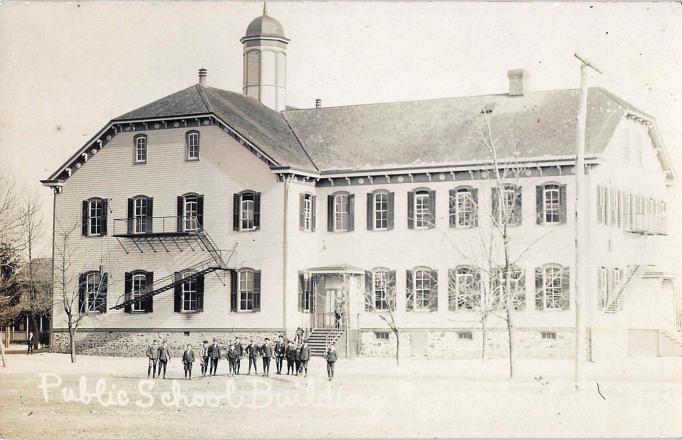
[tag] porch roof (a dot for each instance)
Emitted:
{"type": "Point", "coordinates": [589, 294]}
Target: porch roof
{"type": "Point", "coordinates": [340, 269]}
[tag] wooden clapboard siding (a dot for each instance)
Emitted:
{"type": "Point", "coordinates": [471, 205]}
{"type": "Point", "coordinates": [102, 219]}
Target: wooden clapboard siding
{"type": "Point", "coordinates": [225, 167]}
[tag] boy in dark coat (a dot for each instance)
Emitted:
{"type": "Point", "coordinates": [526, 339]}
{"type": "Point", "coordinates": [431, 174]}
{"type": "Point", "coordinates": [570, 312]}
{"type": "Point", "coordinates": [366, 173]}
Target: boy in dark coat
{"type": "Point", "coordinates": [214, 356]}
{"type": "Point", "coordinates": [164, 358]}
{"type": "Point", "coordinates": [239, 349]}
{"type": "Point", "coordinates": [252, 351]}
{"type": "Point", "coordinates": [232, 360]}
{"type": "Point", "coordinates": [280, 351]}
{"type": "Point", "coordinates": [297, 359]}
{"type": "Point", "coordinates": [187, 361]}
{"type": "Point", "coordinates": [266, 352]}
{"type": "Point", "coordinates": [291, 356]}
{"type": "Point", "coordinates": [153, 355]}
{"type": "Point", "coordinates": [305, 356]}
{"type": "Point", "coordinates": [203, 357]}
{"type": "Point", "coordinates": [331, 360]}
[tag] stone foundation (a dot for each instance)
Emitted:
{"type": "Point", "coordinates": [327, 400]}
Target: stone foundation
{"type": "Point", "coordinates": [455, 344]}
{"type": "Point", "coordinates": [135, 343]}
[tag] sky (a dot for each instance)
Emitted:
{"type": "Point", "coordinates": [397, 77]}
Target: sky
{"type": "Point", "coordinates": [66, 69]}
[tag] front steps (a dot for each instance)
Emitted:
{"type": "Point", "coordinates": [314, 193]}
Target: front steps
{"type": "Point", "coordinates": [320, 338]}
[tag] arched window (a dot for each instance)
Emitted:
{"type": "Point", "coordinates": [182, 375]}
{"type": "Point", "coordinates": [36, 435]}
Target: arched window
{"type": "Point", "coordinates": [192, 145]}
{"type": "Point", "coordinates": [341, 212]}
{"type": "Point", "coordinates": [191, 212]}
{"type": "Point", "coordinates": [382, 284]}
{"type": "Point", "coordinates": [140, 148]}
{"type": "Point", "coordinates": [138, 287]}
{"type": "Point", "coordinates": [140, 215]}
{"type": "Point", "coordinates": [517, 288]}
{"type": "Point", "coordinates": [465, 288]}
{"type": "Point", "coordinates": [246, 290]}
{"type": "Point", "coordinates": [380, 210]}
{"type": "Point", "coordinates": [92, 289]}
{"type": "Point", "coordinates": [189, 293]}
{"type": "Point", "coordinates": [551, 207]}
{"type": "Point", "coordinates": [463, 207]}
{"type": "Point", "coordinates": [552, 283]}
{"type": "Point", "coordinates": [246, 211]}
{"type": "Point", "coordinates": [424, 288]}
{"type": "Point", "coordinates": [507, 207]}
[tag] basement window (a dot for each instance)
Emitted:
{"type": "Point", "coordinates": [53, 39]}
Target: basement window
{"type": "Point", "coordinates": [381, 335]}
{"type": "Point", "coordinates": [548, 335]}
{"type": "Point", "coordinates": [465, 335]}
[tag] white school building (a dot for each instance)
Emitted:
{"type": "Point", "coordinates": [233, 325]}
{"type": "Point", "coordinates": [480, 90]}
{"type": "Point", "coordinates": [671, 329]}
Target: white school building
{"type": "Point", "coordinates": [211, 213]}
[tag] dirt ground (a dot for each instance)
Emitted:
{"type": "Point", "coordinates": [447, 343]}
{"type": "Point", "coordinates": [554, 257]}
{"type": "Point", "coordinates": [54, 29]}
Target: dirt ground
{"type": "Point", "coordinates": [44, 396]}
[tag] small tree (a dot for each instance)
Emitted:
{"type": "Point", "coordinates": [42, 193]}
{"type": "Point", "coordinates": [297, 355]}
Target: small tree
{"type": "Point", "coordinates": [380, 299]}
{"type": "Point", "coordinates": [73, 293]}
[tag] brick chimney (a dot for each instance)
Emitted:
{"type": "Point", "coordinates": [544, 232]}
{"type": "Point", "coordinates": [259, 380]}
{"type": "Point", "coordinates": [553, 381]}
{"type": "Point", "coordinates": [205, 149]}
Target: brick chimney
{"type": "Point", "coordinates": [318, 103]}
{"type": "Point", "coordinates": [202, 76]}
{"type": "Point", "coordinates": [516, 82]}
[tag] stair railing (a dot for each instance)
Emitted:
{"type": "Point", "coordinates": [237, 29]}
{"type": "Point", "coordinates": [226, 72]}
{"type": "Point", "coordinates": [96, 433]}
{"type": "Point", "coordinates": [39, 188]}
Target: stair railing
{"type": "Point", "coordinates": [616, 301]}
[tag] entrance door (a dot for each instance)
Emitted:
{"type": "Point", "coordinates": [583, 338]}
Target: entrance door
{"type": "Point", "coordinates": [325, 308]}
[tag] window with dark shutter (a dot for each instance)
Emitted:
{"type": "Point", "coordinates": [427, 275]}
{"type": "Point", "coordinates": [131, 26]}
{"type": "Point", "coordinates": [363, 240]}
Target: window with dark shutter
{"type": "Point", "coordinates": [301, 212]}
{"type": "Point", "coordinates": [180, 213]}
{"type": "Point", "coordinates": [301, 281]}
{"type": "Point", "coordinates": [128, 289]}
{"type": "Point", "coordinates": [199, 293]}
{"type": "Point", "coordinates": [82, 306]}
{"type": "Point", "coordinates": [340, 208]}
{"type": "Point", "coordinates": [148, 302]}
{"type": "Point", "coordinates": [433, 294]}
{"type": "Point", "coordinates": [369, 291]}
{"type": "Point", "coordinates": [177, 297]}
{"type": "Point", "coordinates": [370, 211]}
{"type": "Point", "coordinates": [351, 212]}
{"type": "Point", "coordinates": [84, 219]}
{"type": "Point", "coordinates": [313, 213]}
{"type": "Point", "coordinates": [101, 304]}
{"type": "Point", "coordinates": [200, 212]}
{"type": "Point", "coordinates": [94, 217]}
{"type": "Point", "coordinates": [256, 210]}
{"type": "Point", "coordinates": [410, 210]}
{"type": "Point", "coordinates": [391, 209]}
{"type": "Point", "coordinates": [234, 289]}
{"type": "Point", "coordinates": [306, 216]}
{"type": "Point", "coordinates": [256, 290]}
{"type": "Point", "coordinates": [330, 213]}
{"type": "Point", "coordinates": [409, 290]}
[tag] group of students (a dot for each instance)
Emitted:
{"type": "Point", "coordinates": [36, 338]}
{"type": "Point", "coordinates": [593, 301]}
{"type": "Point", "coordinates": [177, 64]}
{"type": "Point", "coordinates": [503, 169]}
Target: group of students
{"type": "Point", "coordinates": [296, 353]}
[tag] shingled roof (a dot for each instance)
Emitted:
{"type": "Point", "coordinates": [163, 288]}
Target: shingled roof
{"type": "Point", "coordinates": [444, 131]}
{"type": "Point", "coordinates": [259, 124]}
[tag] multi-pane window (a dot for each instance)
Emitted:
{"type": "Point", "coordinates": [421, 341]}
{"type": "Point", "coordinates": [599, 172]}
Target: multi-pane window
{"type": "Point", "coordinates": [381, 283]}
{"type": "Point", "coordinates": [140, 214]}
{"type": "Point", "coordinates": [140, 149]}
{"type": "Point", "coordinates": [341, 212]}
{"type": "Point", "coordinates": [552, 287]}
{"type": "Point", "coordinates": [246, 290]}
{"type": "Point", "coordinates": [551, 204]}
{"type": "Point", "coordinates": [603, 206]}
{"type": "Point", "coordinates": [464, 208]}
{"type": "Point", "coordinates": [422, 288]}
{"type": "Point", "coordinates": [507, 204]}
{"type": "Point", "coordinates": [93, 292]}
{"type": "Point", "coordinates": [192, 145]}
{"type": "Point", "coordinates": [627, 211]}
{"type": "Point", "coordinates": [467, 290]}
{"type": "Point", "coordinates": [307, 212]}
{"type": "Point", "coordinates": [516, 289]}
{"type": "Point", "coordinates": [422, 212]}
{"type": "Point", "coordinates": [191, 213]}
{"type": "Point", "coordinates": [189, 293]}
{"type": "Point", "coordinates": [96, 216]}
{"type": "Point", "coordinates": [381, 211]}
{"type": "Point", "coordinates": [247, 211]}
{"type": "Point", "coordinates": [139, 284]}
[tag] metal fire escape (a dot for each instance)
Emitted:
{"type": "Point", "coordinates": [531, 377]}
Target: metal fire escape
{"type": "Point", "coordinates": [166, 234]}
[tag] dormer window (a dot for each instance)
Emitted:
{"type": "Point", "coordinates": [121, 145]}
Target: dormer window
{"type": "Point", "coordinates": [192, 145]}
{"type": "Point", "coordinates": [140, 144]}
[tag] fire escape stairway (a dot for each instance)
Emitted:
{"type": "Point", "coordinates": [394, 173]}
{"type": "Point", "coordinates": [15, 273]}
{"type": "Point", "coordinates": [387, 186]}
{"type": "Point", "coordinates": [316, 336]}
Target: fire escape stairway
{"type": "Point", "coordinates": [617, 302]}
{"type": "Point", "coordinates": [213, 264]}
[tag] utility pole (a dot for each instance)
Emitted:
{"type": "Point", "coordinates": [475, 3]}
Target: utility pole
{"type": "Point", "coordinates": [580, 217]}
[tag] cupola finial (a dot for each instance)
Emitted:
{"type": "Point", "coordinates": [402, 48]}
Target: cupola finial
{"type": "Point", "coordinates": [265, 8]}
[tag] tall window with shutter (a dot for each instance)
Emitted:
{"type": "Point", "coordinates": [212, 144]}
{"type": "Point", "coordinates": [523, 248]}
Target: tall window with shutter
{"type": "Point", "coordinates": [517, 287]}
{"type": "Point", "coordinates": [552, 287]}
{"type": "Point", "coordinates": [464, 289]}
{"type": "Point", "coordinates": [340, 212]}
{"type": "Point", "coordinates": [190, 212]}
{"type": "Point", "coordinates": [422, 289]}
{"type": "Point", "coordinates": [137, 283]}
{"type": "Point", "coordinates": [246, 211]}
{"type": "Point", "coordinates": [551, 201]}
{"type": "Point", "coordinates": [604, 287]}
{"type": "Point", "coordinates": [421, 209]}
{"type": "Point", "coordinates": [305, 292]}
{"type": "Point", "coordinates": [246, 290]}
{"type": "Point", "coordinates": [306, 219]}
{"type": "Point", "coordinates": [94, 218]}
{"type": "Point", "coordinates": [140, 215]}
{"type": "Point", "coordinates": [92, 292]}
{"type": "Point", "coordinates": [381, 289]}
{"type": "Point", "coordinates": [507, 204]}
{"type": "Point", "coordinates": [380, 205]}
{"type": "Point", "coordinates": [463, 203]}
{"type": "Point", "coordinates": [602, 205]}
{"type": "Point", "coordinates": [189, 292]}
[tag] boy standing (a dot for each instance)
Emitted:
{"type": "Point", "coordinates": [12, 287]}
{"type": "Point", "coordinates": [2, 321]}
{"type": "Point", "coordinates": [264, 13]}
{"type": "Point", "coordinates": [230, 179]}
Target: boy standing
{"type": "Point", "coordinates": [203, 358]}
{"type": "Point", "coordinates": [239, 349]}
{"type": "Point", "coordinates": [187, 360]}
{"type": "Point", "coordinates": [305, 356]}
{"type": "Point", "coordinates": [290, 357]}
{"type": "Point", "coordinates": [153, 355]}
{"type": "Point", "coordinates": [252, 352]}
{"type": "Point", "coordinates": [214, 356]}
{"type": "Point", "coordinates": [232, 360]}
{"type": "Point", "coordinates": [331, 359]}
{"type": "Point", "coordinates": [164, 358]}
{"type": "Point", "coordinates": [266, 352]}
{"type": "Point", "coordinates": [297, 359]}
{"type": "Point", "coordinates": [280, 350]}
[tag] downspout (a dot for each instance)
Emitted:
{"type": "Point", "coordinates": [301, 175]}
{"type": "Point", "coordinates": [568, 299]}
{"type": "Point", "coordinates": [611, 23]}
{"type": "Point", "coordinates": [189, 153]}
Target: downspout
{"type": "Point", "coordinates": [54, 217]}
{"type": "Point", "coordinates": [284, 254]}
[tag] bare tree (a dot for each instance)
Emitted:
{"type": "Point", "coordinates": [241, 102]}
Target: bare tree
{"type": "Point", "coordinates": [10, 216]}
{"type": "Point", "coordinates": [76, 294]}
{"type": "Point", "coordinates": [380, 299]}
